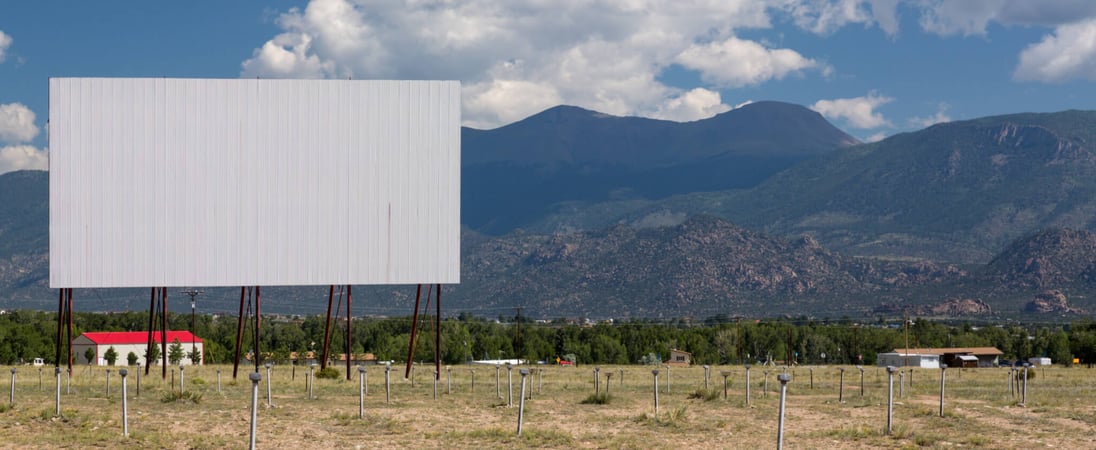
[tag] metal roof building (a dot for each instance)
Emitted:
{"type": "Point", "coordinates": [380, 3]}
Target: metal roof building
{"type": "Point", "coordinates": [125, 342]}
{"type": "Point", "coordinates": [960, 356]}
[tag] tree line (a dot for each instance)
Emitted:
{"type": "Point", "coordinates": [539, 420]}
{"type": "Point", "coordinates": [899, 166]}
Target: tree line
{"type": "Point", "coordinates": [25, 335]}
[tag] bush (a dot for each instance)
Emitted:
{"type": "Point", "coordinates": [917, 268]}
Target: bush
{"type": "Point", "coordinates": [1030, 374]}
{"type": "Point", "coordinates": [329, 373]}
{"type": "Point", "coordinates": [184, 396]}
{"type": "Point", "coordinates": [706, 394]}
{"type": "Point", "coordinates": [597, 399]}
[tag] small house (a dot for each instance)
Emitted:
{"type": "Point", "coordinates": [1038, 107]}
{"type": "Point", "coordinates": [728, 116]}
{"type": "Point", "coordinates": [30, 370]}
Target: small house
{"type": "Point", "coordinates": [679, 358]}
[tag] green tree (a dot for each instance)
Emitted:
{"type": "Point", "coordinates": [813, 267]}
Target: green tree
{"type": "Point", "coordinates": [1058, 349]}
{"type": "Point", "coordinates": [110, 356]}
{"type": "Point", "coordinates": [175, 352]}
{"type": "Point", "coordinates": [196, 357]}
{"type": "Point", "coordinates": [131, 359]}
{"type": "Point", "coordinates": [89, 355]}
{"type": "Point", "coordinates": [152, 354]}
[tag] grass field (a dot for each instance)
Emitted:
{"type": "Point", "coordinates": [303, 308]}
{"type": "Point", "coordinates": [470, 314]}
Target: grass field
{"type": "Point", "coordinates": [980, 411]}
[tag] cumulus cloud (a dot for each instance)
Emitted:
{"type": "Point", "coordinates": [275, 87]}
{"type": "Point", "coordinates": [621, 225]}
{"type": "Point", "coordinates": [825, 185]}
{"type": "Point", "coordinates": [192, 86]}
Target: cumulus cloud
{"type": "Point", "coordinates": [859, 112]}
{"type": "Point", "coordinates": [972, 17]}
{"type": "Point", "coordinates": [516, 58]}
{"type": "Point", "coordinates": [22, 157]}
{"type": "Point", "coordinates": [696, 104]}
{"type": "Point", "coordinates": [17, 123]}
{"type": "Point", "coordinates": [825, 16]}
{"type": "Point", "coordinates": [737, 62]}
{"type": "Point", "coordinates": [1069, 53]}
{"type": "Point", "coordinates": [5, 42]}
{"type": "Point", "coordinates": [941, 116]}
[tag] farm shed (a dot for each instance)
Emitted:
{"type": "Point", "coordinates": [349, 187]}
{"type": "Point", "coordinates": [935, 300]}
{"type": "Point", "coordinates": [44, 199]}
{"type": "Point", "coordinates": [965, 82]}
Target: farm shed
{"type": "Point", "coordinates": [131, 341]}
{"type": "Point", "coordinates": [960, 356]}
{"type": "Point", "coordinates": [680, 358]}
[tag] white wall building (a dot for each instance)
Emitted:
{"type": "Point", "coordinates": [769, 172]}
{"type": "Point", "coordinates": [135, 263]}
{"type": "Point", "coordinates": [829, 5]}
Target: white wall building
{"type": "Point", "coordinates": [898, 359]}
{"type": "Point", "coordinates": [125, 342]}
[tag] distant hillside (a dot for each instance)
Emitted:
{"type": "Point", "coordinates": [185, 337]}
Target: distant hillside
{"type": "Point", "coordinates": [990, 217]}
{"type": "Point", "coordinates": [956, 191]}
{"type": "Point", "coordinates": [703, 266]}
{"type": "Point", "coordinates": [24, 231]}
{"type": "Point", "coordinates": [1050, 259]}
{"type": "Point", "coordinates": [512, 175]}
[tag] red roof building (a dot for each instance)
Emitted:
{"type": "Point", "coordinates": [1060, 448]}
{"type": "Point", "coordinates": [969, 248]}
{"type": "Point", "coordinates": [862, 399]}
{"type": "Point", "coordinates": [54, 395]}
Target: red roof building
{"type": "Point", "coordinates": [136, 342]}
{"type": "Point", "coordinates": [136, 337]}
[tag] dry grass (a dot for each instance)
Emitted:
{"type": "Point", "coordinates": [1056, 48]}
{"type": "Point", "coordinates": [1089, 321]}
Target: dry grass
{"type": "Point", "coordinates": [979, 412]}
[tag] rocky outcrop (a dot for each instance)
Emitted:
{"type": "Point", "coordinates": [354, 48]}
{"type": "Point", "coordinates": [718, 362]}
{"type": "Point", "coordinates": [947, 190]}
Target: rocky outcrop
{"type": "Point", "coordinates": [1051, 301]}
{"type": "Point", "coordinates": [960, 307]}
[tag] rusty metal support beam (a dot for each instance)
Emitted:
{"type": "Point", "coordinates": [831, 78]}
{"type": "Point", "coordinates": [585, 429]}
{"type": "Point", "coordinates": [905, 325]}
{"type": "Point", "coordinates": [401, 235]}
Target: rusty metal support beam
{"type": "Point", "coordinates": [151, 328]}
{"type": "Point", "coordinates": [69, 340]}
{"type": "Point", "coordinates": [258, 355]}
{"type": "Point", "coordinates": [239, 334]}
{"type": "Point", "coordinates": [163, 331]}
{"type": "Point", "coordinates": [414, 326]}
{"type": "Point", "coordinates": [437, 336]}
{"type": "Point", "coordinates": [60, 326]}
{"type": "Point", "coordinates": [327, 326]}
{"type": "Point", "coordinates": [349, 350]}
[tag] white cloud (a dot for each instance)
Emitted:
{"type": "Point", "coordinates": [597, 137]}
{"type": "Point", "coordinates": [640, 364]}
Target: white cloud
{"type": "Point", "coordinates": [972, 17]}
{"type": "Point", "coordinates": [16, 123]}
{"type": "Point", "coordinates": [966, 17]}
{"type": "Point", "coordinates": [941, 116]}
{"type": "Point", "coordinates": [5, 42]}
{"type": "Point", "coordinates": [22, 157]}
{"type": "Point", "coordinates": [859, 112]}
{"type": "Point", "coordinates": [1069, 53]}
{"type": "Point", "coordinates": [825, 16]}
{"type": "Point", "coordinates": [737, 62]}
{"type": "Point", "coordinates": [876, 137]}
{"type": "Point", "coordinates": [517, 58]}
{"type": "Point", "coordinates": [696, 104]}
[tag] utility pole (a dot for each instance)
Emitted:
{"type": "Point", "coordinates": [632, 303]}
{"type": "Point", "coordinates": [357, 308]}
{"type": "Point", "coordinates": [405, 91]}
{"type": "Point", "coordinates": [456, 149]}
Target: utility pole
{"type": "Point", "coordinates": [520, 347]}
{"type": "Point", "coordinates": [906, 322]}
{"type": "Point", "coordinates": [193, 293]}
{"type": "Point", "coordinates": [738, 339]}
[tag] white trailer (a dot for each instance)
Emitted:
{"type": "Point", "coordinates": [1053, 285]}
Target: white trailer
{"type": "Point", "coordinates": [908, 359]}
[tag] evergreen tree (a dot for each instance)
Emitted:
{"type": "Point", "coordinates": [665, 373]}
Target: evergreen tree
{"type": "Point", "coordinates": [152, 355]}
{"type": "Point", "coordinates": [175, 352]}
{"type": "Point", "coordinates": [131, 359]}
{"type": "Point", "coordinates": [89, 355]}
{"type": "Point", "coordinates": [111, 356]}
{"type": "Point", "coordinates": [195, 357]}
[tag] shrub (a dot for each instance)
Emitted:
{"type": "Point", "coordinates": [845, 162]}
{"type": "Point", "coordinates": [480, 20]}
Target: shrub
{"type": "Point", "coordinates": [184, 396]}
{"type": "Point", "coordinates": [706, 394]}
{"type": "Point", "coordinates": [329, 373]}
{"type": "Point", "coordinates": [597, 399]}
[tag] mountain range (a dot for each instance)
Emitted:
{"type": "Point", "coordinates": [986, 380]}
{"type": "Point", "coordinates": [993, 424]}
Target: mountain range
{"type": "Point", "coordinates": [511, 176]}
{"type": "Point", "coordinates": [957, 192]}
{"type": "Point", "coordinates": [764, 210]}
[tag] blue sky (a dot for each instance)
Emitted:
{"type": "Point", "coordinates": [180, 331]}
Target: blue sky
{"type": "Point", "coordinates": [874, 67]}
